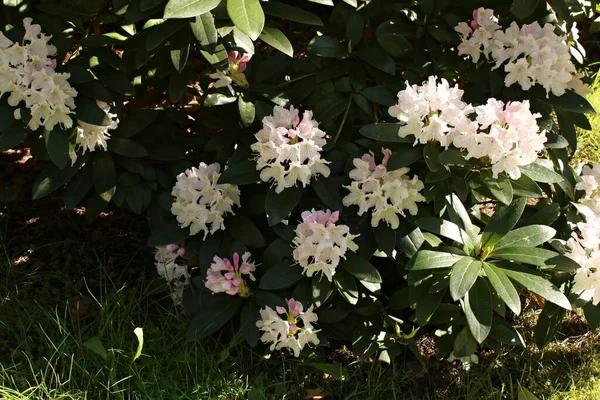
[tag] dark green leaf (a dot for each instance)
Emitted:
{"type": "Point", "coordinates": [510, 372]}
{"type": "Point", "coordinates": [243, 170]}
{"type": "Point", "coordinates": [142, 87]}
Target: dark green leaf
{"type": "Point", "coordinates": [443, 228]}
{"type": "Point", "coordinates": [540, 173]}
{"type": "Point", "coordinates": [360, 268]}
{"type": "Point", "coordinates": [126, 147]}
{"type": "Point", "coordinates": [281, 276]}
{"type": "Point", "coordinates": [246, 232]}
{"type": "Point", "coordinates": [478, 309]}
{"type": "Point", "coordinates": [384, 132]}
{"type": "Point", "coordinates": [78, 187]}
{"type": "Point", "coordinates": [464, 344]}
{"type": "Point", "coordinates": [335, 370]}
{"type": "Point", "coordinates": [499, 187]}
{"type": "Point", "coordinates": [326, 46]}
{"type": "Point", "coordinates": [12, 136]}
{"type": "Point", "coordinates": [379, 95]}
{"type": "Point", "coordinates": [210, 319]}
{"type": "Point", "coordinates": [51, 178]}
{"type": "Point", "coordinates": [531, 255]}
{"type": "Point", "coordinates": [88, 111]}
{"type": "Point", "coordinates": [463, 276]}
{"type": "Point", "coordinates": [247, 15]}
{"type": "Point", "coordinates": [291, 13]}
{"type": "Point", "coordinates": [104, 176]}
{"type": "Point", "coordinates": [549, 320]}
{"type": "Point", "coordinates": [592, 315]}
{"type": "Point", "coordinates": [503, 220]}
{"type": "Point", "coordinates": [409, 242]}
{"type": "Point", "coordinates": [277, 39]}
{"type": "Point", "coordinates": [95, 90]}
{"type": "Point", "coordinates": [570, 101]}
{"type": "Point", "coordinates": [378, 59]}
{"type": "Point", "coordinates": [532, 235]}
{"type": "Point", "coordinates": [459, 215]}
{"type": "Point", "coordinates": [248, 318]}
{"type": "Point", "coordinates": [346, 286]}
{"type": "Point", "coordinates": [135, 123]}
{"type": "Point", "coordinates": [386, 238]}
{"type": "Point", "coordinates": [321, 289]}
{"type": "Point", "coordinates": [404, 157]}
{"type": "Point", "coordinates": [428, 259]}
{"type": "Point", "coordinates": [505, 332]}
{"type": "Point", "coordinates": [355, 27]}
{"type": "Point", "coordinates": [536, 284]}
{"type": "Point", "coordinates": [525, 394]}
{"type": "Point", "coordinates": [327, 192]}
{"type": "Point", "coordinates": [189, 8]}
{"type": "Point", "coordinates": [503, 287]}
{"type": "Point", "coordinates": [523, 8]}
{"type": "Point", "coordinates": [526, 187]}
{"type": "Point", "coordinates": [279, 206]}
{"type": "Point", "coordinates": [179, 58]}
{"type": "Point", "coordinates": [57, 144]}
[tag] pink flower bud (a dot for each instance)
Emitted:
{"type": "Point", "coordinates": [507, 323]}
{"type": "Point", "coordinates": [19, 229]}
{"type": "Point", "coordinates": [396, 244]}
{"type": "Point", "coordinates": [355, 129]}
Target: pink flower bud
{"type": "Point", "coordinates": [245, 268]}
{"type": "Point", "coordinates": [280, 310]}
{"type": "Point", "coordinates": [236, 260]}
{"type": "Point", "coordinates": [293, 327]}
{"type": "Point", "coordinates": [334, 218]}
{"type": "Point", "coordinates": [229, 275]}
{"type": "Point", "coordinates": [53, 64]}
{"type": "Point", "coordinates": [228, 264]}
{"type": "Point", "coordinates": [387, 153]}
{"type": "Point", "coordinates": [232, 291]}
{"type": "Point", "coordinates": [181, 252]}
{"type": "Point", "coordinates": [171, 248]}
{"type": "Point", "coordinates": [241, 66]}
{"type": "Point", "coordinates": [474, 25]}
{"type": "Point", "coordinates": [475, 14]}
{"type": "Point", "coordinates": [296, 120]}
{"type": "Point", "coordinates": [294, 307]}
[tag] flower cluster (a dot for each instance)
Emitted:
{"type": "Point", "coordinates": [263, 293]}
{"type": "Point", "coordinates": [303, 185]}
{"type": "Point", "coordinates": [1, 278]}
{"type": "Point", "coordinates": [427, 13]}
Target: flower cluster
{"type": "Point", "coordinates": [226, 277]}
{"type": "Point", "coordinates": [506, 136]}
{"type": "Point", "coordinates": [27, 73]}
{"type": "Point", "coordinates": [175, 273]}
{"type": "Point", "coordinates": [200, 202]}
{"type": "Point", "coordinates": [389, 193]}
{"type": "Point", "coordinates": [320, 243]}
{"type": "Point", "coordinates": [289, 149]}
{"type": "Point", "coordinates": [590, 183]}
{"type": "Point", "coordinates": [431, 112]}
{"type": "Point", "coordinates": [89, 137]}
{"type": "Point", "coordinates": [533, 54]}
{"type": "Point", "coordinates": [237, 65]}
{"type": "Point", "coordinates": [294, 330]}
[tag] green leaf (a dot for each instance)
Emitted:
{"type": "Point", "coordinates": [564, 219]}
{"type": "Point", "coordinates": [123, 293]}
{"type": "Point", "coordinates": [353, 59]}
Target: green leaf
{"type": "Point", "coordinates": [560, 7]}
{"type": "Point", "coordinates": [88, 111]}
{"type": "Point", "coordinates": [179, 57]}
{"type": "Point", "coordinates": [246, 232]}
{"type": "Point", "coordinates": [404, 157]}
{"type": "Point", "coordinates": [189, 8]}
{"type": "Point", "coordinates": [523, 8]}
{"type": "Point", "coordinates": [549, 320]}
{"type": "Point", "coordinates": [503, 287]}
{"type": "Point", "coordinates": [360, 268]}
{"type": "Point", "coordinates": [291, 13]}
{"type": "Point", "coordinates": [592, 315]}
{"type": "Point", "coordinates": [218, 99]}
{"type": "Point", "coordinates": [346, 285]}
{"type": "Point", "coordinates": [500, 187]}
{"type": "Point", "coordinates": [135, 123]}
{"type": "Point", "coordinates": [242, 173]}
{"type": "Point", "coordinates": [248, 318]}
{"type": "Point", "coordinates": [378, 59]}
{"type": "Point", "coordinates": [51, 178]}
{"type": "Point", "coordinates": [326, 46]}
{"type": "Point", "coordinates": [281, 276]}
{"type": "Point", "coordinates": [570, 101]}
{"type": "Point", "coordinates": [390, 36]}
{"type": "Point", "coordinates": [379, 95]}
{"type": "Point", "coordinates": [78, 187]}
{"type": "Point", "coordinates": [525, 394]}
{"type": "Point", "coordinates": [327, 192]}
{"type": "Point", "coordinates": [277, 39]}
{"type": "Point", "coordinates": [528, 255]}
{"type": "Point", "coordinates": [210, 318]}
{"type": "Point", "coordinates": [532, 235]}
{"type": "Point", "coordinates": [247, 15]}
{"type": "Point", "coordinates": [526, 187]}
{"type": "Point", "coordinates": [385, 238]}
{"type": "Point", "coordinates": [126, 148]}
{"type": "Point", "coordinates": [95, 344]}
{"type": "Point", "coordinates": [429, 259]}
{"type": "Point", "coordinates": [444, 228]}
{"type": "Point", "coordinates": [547, 215]}
{"type": "Point", "coordinates": [279, 206]}
{"type": "Point", "coordinates": [94, 90]}
{"type": "Point", "coordinates": [335, 370]}
{"type": "Point", "coordinates": [247, 111]}
{"type": "Point", "coordinates": [355, 27]}
{"type": "Point", "coordinates": [431, 153]}
{"type": "Point", "coordinates": [463, 276]}
{"type": "Point", "coordinates": [459, 215]}
{"type": "Point", "coordinates": [383, 132]}
{"type": "Point", "coordinates": [540, 173]}
{"type": "Point", "coordinates": [57, 144]}
{"type": "Point", "coordinates": [204, 29]}
{"type": "Point", "coordinates": [478, 310]}
{"type": "Point", "coordinates": [104, 176]}
{"type": "Point", "coordinates": [505, 332]}
{"type": "Point", "coordinates": [464, 344]}
{"type": "Point", "coordinates": [95, 205]}
{"type": "Point", "coordinates": [536, 284]}
{"type": "Point", "coordinates": [12, 136]}
{"type": "Point", "coordinates": [321, 289]}
{"type": "Point", "coordinates": [503, 220]}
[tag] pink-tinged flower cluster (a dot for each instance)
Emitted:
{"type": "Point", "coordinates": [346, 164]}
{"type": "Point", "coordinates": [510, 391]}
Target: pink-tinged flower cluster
{"type": "Point", "coordinates": [504, 135]}
{"type": "Point", "coordinates": [321, 242]}
{"type": "Point", "coordinates": [387, 193]}
{"type": "Point", "coordinates": [27, 73]}
{"type": "Point", "coordinates": [223, 276]}
{"type": "Point", "coordinates": [234, 72]}
{"type": "Point", "coordinates": [289, 149]}
{"type": "Point", "coordinates": [531, 54]}
{"type": "Point", "coordinates": [290, 328]}
{"type": "Point", "coordinates": [170, 266]}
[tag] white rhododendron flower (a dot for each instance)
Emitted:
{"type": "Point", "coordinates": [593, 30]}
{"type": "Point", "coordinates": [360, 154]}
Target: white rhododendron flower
{"type": "Point", "coordinates": [89, 137]}
{"type": "Point", "coordinates": [531, 54]}
{"type": "Point", "coordinates": [223, 276]}
{"type": "Point", "coordinates": [431, 112]}
{"type": "Point", "coordinates": [589, 182]}
{"type": "Point", "coordinates": [200, 202]}
{"type": "Point", "coordinates": [27, 73]}
{"type": "Point", "coordinates": [289, 149]}
{"type": "Point", "coordinates": [507, 137]}
{"type": "Point", "coordinates": [170, 267]}
{"type": "Point", "coordinates": [388, 193]}
{"type": "Point", "coordinates": [291, 328]}
{"type": "Point", "coordinates": [320, 242]}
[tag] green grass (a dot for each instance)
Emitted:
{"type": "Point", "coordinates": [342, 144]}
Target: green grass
{"type": "Point", "coordinates": [589, 140]}
{"type": "Point", "coordinates": [47, 352]}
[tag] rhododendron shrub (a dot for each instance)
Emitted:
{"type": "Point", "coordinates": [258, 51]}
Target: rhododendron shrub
{"type": "Point", "coordinates": [324, 173]}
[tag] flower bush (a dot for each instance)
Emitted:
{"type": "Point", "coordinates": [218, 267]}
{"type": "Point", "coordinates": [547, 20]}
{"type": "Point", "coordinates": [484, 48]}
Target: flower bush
{"type": "Point", "coordinates": [318, 173]}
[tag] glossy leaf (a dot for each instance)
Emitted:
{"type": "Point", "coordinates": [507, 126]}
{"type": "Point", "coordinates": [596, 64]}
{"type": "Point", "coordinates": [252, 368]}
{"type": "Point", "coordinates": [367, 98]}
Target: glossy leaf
{"type": "Point", "coordinates": [189, 8]}
{"type": "Point", "coordinates": [463, 275]}
{"type": "Point", "coordinates": [503, 287]}
{"type": "Point", "coordinates": [478, 309]}
{"type": "Point", "coordinates": [247, 15]}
